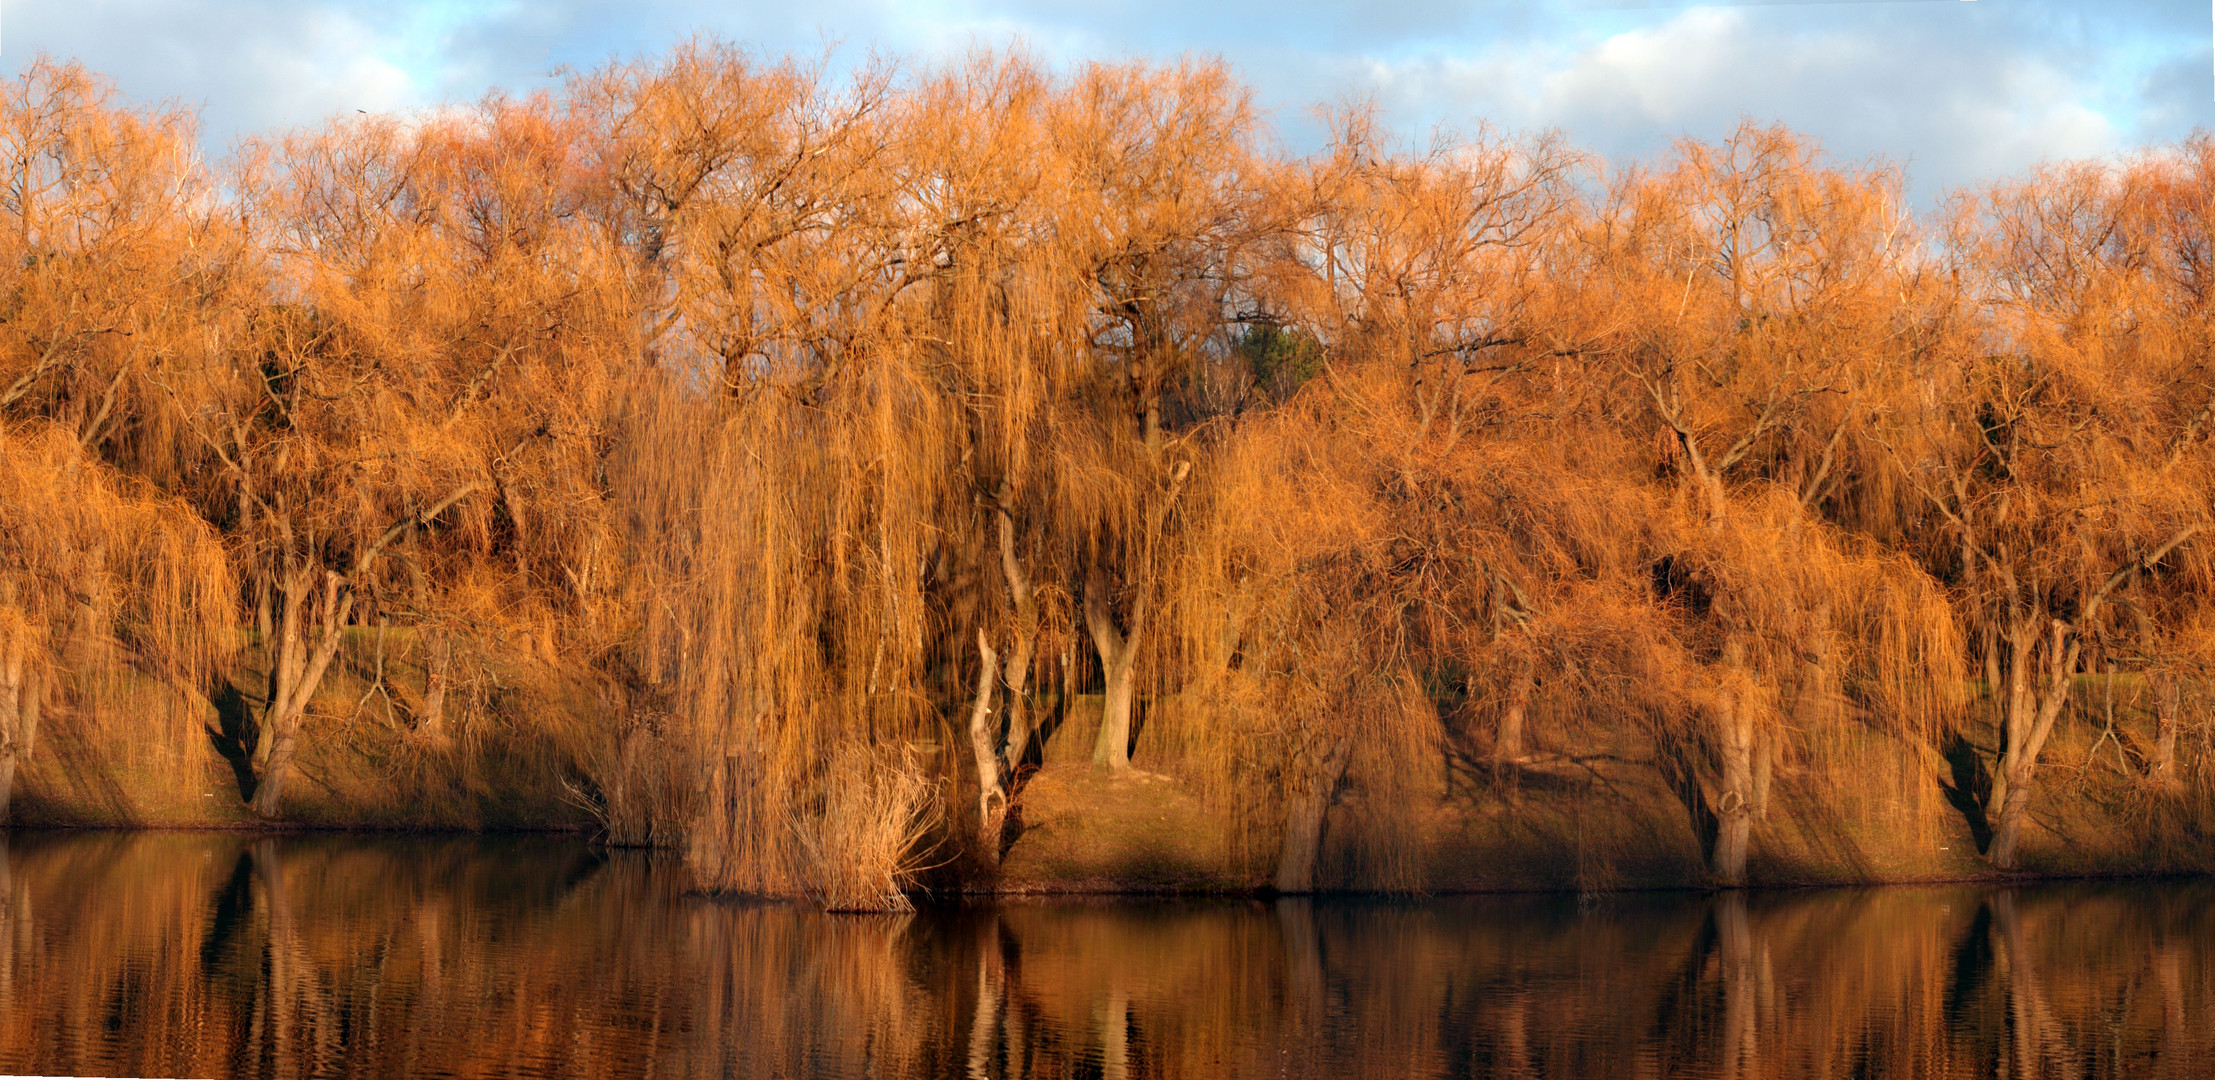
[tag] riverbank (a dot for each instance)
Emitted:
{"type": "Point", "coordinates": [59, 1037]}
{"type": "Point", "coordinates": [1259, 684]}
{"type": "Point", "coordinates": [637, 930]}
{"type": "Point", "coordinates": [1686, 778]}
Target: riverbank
{"type": "Point", "coordinates": [1856, 808]}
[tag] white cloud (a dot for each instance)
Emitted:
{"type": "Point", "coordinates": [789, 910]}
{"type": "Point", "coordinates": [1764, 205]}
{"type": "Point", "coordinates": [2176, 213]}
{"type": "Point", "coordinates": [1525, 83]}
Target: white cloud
{"type": "Point", "coordinates": [1960, 91]}
{"type": "Point", "coordinates": [1910, 89]}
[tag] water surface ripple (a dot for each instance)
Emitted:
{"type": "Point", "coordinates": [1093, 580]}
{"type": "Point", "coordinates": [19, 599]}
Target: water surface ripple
{"type": "Point", "coordinates": [154, 954]}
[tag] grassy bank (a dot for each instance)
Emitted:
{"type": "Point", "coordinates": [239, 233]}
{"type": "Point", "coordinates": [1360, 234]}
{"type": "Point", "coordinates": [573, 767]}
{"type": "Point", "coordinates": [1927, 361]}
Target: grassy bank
{"type": "Point", "coordinates": [516, 756]}
{"type": "Point", "coordinates": [1582, 812]}
{"type": "Point", "coordinates": [1849, 806]}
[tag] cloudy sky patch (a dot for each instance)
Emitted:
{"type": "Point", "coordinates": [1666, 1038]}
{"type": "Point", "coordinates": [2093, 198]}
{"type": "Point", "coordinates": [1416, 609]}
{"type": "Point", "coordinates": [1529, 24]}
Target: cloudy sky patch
{"type": "Point", "coordinates": [1957, 91]}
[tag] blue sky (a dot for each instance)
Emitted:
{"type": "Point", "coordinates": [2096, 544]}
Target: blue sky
{"type": "Point", "coordinates": [1958, 91]}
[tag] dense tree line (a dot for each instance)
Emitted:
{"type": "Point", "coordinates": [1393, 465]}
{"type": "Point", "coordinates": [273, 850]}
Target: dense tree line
{"type": "Point", "coordinates": [823, 426]}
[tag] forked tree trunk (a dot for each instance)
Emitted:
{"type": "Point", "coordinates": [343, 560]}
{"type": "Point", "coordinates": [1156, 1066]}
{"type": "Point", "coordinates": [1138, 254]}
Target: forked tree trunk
{"type": "Point", "coordinates": [2031, 713]}
{"type": "Point", "coordinates": [2031, 710]}
{"type": "Point", "coordinates": [1018, 709]}
{"type": "Point", "coordinates": [295, 675]}
{"type": "Point", "coordinates": [1118, 648]}
{"type": "Point", "coordinates": [1305, 815]}
{"type": "Point", "coordinates": [296, 669]}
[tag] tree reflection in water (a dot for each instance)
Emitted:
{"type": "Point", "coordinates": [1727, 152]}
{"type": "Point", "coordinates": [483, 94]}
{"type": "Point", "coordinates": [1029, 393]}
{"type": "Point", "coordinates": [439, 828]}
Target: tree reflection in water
{"type": "Point", "coordinates": [199, 955]}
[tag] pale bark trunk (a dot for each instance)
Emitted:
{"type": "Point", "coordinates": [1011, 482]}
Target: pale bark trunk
{"type": "Point", "coordinates": [1305, 814]}
{"type": "Point", "coordinates": [296, 670]}
{"type": "Point", "coordinates": [2167, 704]}
{"type": "Point", "coordinates": [992, 803]}
{"type": "Point", "coordinates": [1112, 751]}
{"type": "Point", "coordinates": [1734, 803]}
{"type": "Point", "coordinates": [1118, 659]}
{"type": "Point", "coordinates": [1026, 638]}
{"type": "Point", "coordinates": [1508, 748]}
{"type": "Point", "coordinates": [438, 648]}
{"type": "Point", "coordinates": [1018, 707]}
{"type": "Point", "coordinates": [11, 702]}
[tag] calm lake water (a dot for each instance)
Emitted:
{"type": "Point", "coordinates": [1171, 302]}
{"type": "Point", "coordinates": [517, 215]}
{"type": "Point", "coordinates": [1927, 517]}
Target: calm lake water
{"type": "Point", "coordinates": [219, 956]}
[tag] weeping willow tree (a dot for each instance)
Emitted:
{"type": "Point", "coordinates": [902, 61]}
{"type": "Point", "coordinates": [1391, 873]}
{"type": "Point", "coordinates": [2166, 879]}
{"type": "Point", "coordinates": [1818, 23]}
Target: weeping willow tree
{"type": "Point", "coordinates": [100, 580]}
{"type": "Point", "coordinates": [2057, 447]}
{"type": "Point", "coordinates": [791, 459]}
{"type": "Point", "coordinates": [955, 317]}
{"type": "Point", "coordinates": [110, 268]}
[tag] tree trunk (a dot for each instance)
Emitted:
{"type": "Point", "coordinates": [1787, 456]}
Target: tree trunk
{"type": "Point", "coordinates": [2009, 831]}
{"type": "Point", "coordinates": [1733, 805]}
{"type": "Point", "coordinates": [2167, 704]}
{"type": "Point", "coordinates": [1305, 815]}
{"type": "Point", "coordinates": [2031, 717]}
{"type": "Point", "coordinates": [1018, 708]}
{"type": "Point", "coordinates": [1112, 751]}
{"type": "Point", "coordinates": [1118, 659]}
{"type": "Point", "coordinates": [2014, 703]}
{"type": "Point", "coordinates": [1119, 648]}
{"type": "Point", "coordinates": [19, 705]}
{"type": "Point", "coordinates": [1026, 636]}
{"type": "Point", "coordinates": [284, 658]}
{"type": "Point", "coordinates": [992, 803]}
{"type": "Point", "coordinates": [1508, 748]}
{"type": "Point", "coordinates": [438, 657]}
{"type": "Point", "coordinates": [263, 627]}
{"type": "Point", "coordinates": [298, 674]}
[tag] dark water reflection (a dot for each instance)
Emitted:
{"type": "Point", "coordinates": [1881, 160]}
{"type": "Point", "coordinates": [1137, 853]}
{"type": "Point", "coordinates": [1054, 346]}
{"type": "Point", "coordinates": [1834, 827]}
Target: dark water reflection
{"type": "Point", "coordinates": [194, 955]}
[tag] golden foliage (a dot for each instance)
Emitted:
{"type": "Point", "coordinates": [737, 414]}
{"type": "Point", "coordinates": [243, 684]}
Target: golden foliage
{"type": "Point", "coordinates": [757, 399]}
